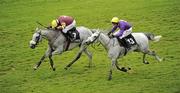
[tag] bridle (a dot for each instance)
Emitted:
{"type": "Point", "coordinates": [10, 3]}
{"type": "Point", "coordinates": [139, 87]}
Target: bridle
{"type": "Point", "coordinates": [38, 37]}
{"type": "Point", "coordinates": [96, 38]}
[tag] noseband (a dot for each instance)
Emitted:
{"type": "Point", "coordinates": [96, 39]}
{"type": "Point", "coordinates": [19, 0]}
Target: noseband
{"type": "Point", "coordinates": [38, 38]}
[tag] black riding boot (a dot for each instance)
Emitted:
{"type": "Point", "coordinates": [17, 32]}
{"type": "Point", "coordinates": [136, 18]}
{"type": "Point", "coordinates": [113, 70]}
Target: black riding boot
{"type": "Point", "coordinates": [127, 45]}
{"type": "Point", "coordinates": [73, 35]}
{"type": "Point", "coordinates": [122, 42]}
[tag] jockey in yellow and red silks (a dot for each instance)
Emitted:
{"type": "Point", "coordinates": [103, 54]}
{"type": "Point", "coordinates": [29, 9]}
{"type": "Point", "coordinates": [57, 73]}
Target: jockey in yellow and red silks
{"type": "Point", "coordinates": [64, 23]}
{"type": "Point", "coordinates": [67, 25]}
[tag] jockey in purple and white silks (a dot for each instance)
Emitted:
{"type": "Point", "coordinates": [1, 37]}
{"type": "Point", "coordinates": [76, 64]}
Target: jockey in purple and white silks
{"type": "Point", "coordinates": [124, 28]}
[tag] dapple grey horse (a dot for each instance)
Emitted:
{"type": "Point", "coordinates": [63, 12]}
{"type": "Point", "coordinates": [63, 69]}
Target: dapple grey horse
{"type": "Point", "coordinates": [115, 50]}
{"type": "Point", "coordinates": [57, 44]}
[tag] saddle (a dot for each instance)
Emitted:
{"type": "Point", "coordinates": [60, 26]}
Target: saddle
{"type": "Point", "coordinates": [72, 36]}
{"type": "Point", "coordinates": [127, 42]}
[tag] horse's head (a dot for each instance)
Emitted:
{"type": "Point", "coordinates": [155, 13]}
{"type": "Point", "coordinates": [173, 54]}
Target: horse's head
{"type": "Point", "coordinates": [36, 38]}
{"type": "Point", "coordinates": [93, 37]}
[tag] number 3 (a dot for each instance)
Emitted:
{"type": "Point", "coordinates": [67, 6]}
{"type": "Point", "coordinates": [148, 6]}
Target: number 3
{"type": "Point", "coordinates": [131, 41]}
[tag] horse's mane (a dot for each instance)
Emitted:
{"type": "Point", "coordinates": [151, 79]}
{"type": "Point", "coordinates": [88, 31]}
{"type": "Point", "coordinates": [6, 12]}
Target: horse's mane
{"type": "Point", "coordinates": [99, 30]}
{"type": "Point", "coordinates": [54, 30]}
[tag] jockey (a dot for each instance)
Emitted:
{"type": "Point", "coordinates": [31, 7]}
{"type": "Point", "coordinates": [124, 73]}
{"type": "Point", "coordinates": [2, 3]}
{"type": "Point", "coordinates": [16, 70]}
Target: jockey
{"type": "Point", "coordinates": [125, 30]}
{"type": "Point", "coordinates": [66, 24]}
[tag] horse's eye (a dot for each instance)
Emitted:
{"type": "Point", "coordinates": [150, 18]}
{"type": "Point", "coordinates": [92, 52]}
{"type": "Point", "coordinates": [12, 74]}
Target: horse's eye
{"type": "Point", "coordinates": [37, 37]}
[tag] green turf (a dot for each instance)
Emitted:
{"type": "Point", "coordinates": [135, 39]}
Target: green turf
{"type": "Point", "coordinates": [17, 24]}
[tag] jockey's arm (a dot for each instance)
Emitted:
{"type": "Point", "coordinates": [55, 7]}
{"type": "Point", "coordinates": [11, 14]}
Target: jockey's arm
{"type": "Point", "coordinates": [113, 29]}
{"type": "Point", "coordinates": [120, 33]}
{"type": "Point", "coordinates": [63, 25]}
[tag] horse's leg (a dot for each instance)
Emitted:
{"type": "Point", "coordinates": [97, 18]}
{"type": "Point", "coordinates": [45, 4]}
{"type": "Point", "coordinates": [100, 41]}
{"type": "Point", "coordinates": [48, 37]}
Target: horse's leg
{"type": "Point", "coordinates": [58, 50]}
{"type": "Point", "coordinates": [144, 60]}
{"type": "Point", "coordinates": [111, 68]}
{"type": "Point", "coordinates": [42, 59]}
{"type": "Point", "coordinates": [51, 63]}
{"type": "Point", "coordinates": [89, 56]}
{"type": "Point", "coordinates": [39, 63]}
{"type": "Point", "coordinates": [121, 54]}
{"type": "Point", "coordinates": [152, 53]}
{"type": "Point", "coordinates": [76, 58]}
{"type": "Point", "coordinates": [123, 68]}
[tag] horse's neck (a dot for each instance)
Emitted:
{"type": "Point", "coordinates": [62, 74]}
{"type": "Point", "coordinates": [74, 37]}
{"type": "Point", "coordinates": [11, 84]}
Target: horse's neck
{"type": "Point", "coordinates": [50, 35]}
{"type": "Point", "coordinates": [105, 41]}
{"type": "Point", "coordinates": [45, 33]}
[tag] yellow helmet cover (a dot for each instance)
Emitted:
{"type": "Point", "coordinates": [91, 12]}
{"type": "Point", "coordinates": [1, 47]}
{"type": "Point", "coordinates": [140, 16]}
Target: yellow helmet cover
{"type": "Point", "coordinates": [115, 20]}
{"type": "Point", "coordinates": [54, 23]}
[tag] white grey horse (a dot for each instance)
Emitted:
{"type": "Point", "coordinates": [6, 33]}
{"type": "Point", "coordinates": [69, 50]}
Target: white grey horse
{"type": "Point", "coordinates": [115, 50]}
{"type": "Point", "coordinates": [57, 44]}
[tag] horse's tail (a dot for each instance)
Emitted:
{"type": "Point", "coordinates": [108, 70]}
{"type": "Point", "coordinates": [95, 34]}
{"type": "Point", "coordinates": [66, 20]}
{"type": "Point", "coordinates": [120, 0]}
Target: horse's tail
{"type": "Point", "coordinates": [152, 37]}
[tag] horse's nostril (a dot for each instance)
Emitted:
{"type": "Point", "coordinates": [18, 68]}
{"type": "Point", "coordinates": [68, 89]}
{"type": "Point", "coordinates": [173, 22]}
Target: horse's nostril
{"type": "Point", "coordinates": [86, 42]}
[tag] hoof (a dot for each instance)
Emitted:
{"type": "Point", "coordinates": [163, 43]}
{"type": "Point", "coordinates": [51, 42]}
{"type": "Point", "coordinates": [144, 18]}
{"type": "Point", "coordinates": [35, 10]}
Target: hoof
{"type": "Point", "coordinates": [35, 68]}
{"type": "Point", "coordinates": [160, 60]}
{"type": "Point", "coordinates": [129, 68]}
{"type": "Point", "coordinates": [66, 68]}
{"type": "Point", "coordinates": [110, 78]}
{"type": "Point", "coordinates": [146, 62]}
{"type": "Point", "coordinates": [124, 69]}
{"type": "Point", "coordinates": [54, 69]}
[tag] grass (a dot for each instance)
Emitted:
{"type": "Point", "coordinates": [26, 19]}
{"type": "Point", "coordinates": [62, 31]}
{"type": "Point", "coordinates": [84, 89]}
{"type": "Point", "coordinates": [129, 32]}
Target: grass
{"type": "Point", "coordinates": [17, 24]}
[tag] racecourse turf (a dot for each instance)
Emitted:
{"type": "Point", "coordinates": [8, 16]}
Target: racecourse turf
{"type": "Point", "coordinates": [18, 22]}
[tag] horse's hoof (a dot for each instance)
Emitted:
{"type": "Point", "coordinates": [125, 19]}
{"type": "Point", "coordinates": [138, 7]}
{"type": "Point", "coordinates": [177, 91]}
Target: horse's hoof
{"type": "Point", "coordinates": [160, 60]}
{"type": "Point", "coordinates": [110, 78]}
{"type": "Point", "coordinates": [129, 68]}
{"type": "Point", "coordinates": [124, 69]}
{"type": "Point", "coordinates": [146, 62]}
{"type": "Point", "coordinates": [35, 68]}
{"type": "Point", "coordinates": [66, 68]}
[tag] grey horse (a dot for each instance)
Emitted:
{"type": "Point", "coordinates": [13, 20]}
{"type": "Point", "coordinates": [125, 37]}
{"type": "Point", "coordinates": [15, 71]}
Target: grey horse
{"type": "Point", "coordinates": [57, 44]}
{"type": "Point", "coordinates": [115, 50]}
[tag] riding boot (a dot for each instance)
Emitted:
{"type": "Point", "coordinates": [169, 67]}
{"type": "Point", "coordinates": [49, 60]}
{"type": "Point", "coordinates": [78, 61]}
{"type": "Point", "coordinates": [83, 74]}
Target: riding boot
{"type": "Point", "coordinates": [127, 45]}
{"type": "Point", "coordinates": [69, 35]}
{"type": "Point", "coordinates": [74, 36]}
{"type": "Point", "coordinates": [123, 43]}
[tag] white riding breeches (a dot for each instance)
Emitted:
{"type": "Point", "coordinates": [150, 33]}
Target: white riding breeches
{"type": "Point", "coordinates": [67, 28]}
{"type": "Point", "coordinates": [125, 33]}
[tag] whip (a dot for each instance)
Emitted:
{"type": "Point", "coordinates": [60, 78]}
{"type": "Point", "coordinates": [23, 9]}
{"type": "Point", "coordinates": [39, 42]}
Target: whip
{"type": "Point", "coordinates": [41, 24]}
